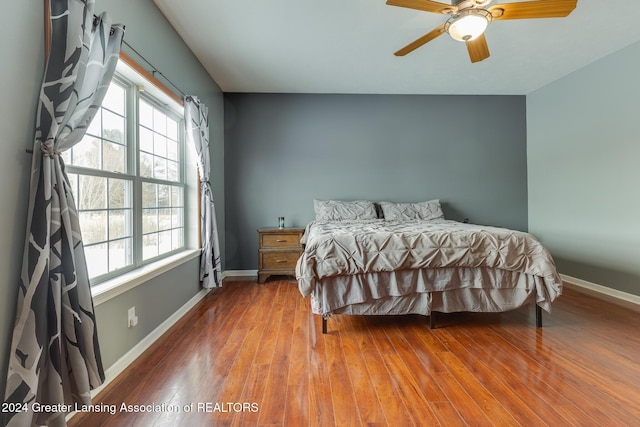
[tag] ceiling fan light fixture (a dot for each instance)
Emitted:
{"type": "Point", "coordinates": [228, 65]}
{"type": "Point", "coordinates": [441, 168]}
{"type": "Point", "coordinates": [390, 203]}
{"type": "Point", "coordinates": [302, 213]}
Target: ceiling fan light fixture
{"type": "Point", "coordinates": [468, 24]}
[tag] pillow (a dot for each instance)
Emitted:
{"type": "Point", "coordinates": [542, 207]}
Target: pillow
{"type": "Point", "coordinates": [336, 210]}
{"type": "Point", "coordinates": [424, 210]}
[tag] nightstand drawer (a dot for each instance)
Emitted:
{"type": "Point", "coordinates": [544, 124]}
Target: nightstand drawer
{"type": "Point", "coordinates": [279, 260]}
{"type": "Point", "coordinates": [278, 251]}
{"type": "Point", "coordinates": [279, 240]}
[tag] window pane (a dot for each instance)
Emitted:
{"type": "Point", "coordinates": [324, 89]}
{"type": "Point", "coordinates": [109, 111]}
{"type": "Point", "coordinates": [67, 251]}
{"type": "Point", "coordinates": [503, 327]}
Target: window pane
{"type": "Point", "coordinates": [97, 259]}
{"type": "Point", "coordinates": [86, 153]}
{"type": "Point", "coordinates": [149, 246]}
{"type": "Point", "coordinates": [104, 145]}
{"type": "Point", "coordinates": [164, 219]}
{"type": "Point", "coordinates": [112, 127]}
{"type": "Point", "coordinates": [159, 122]}
{"type": "Point", "coordinates": [176, 217]}
{"type": "Point", "coordinates": [94, 226]}
{"type": "Point", "coordinates": [145, 114]}
{"type": "Point", "coordinates": [164, 196]}
{"type": "Point", "coordinates": [120, 254]}
{"type": "Point", "coordinates": [172, 150]}
{"type": "Point", "coordinates": [149, 195]}
{"type": "Point", "coordinates": [160, 145]}
{"type": "Point", "coordinates": [119, 193]}
{"type": "Point", "coordinates": [172, 129]}
{"type": "Point", "coordinates": [115, 159]}
{"type": "Point", "coordinates": [159, 168]}
{"type": "Point", "coordinates": [149, 220]}
{"type": "Point", "coordinates": [164, 242]}
{"type": "Point", "coordinates": [146, 165]}
{"type": "Point", "coordinates": [119, 224]}
{"type": "Point", "coordinates": [176, 196]}
{"type": "Point", "coordinates": [172, 171]}
{"type": "Point", "coordinates": [92, 191]}
{"type": "Point", "coordinates": [146, 140]}
{"type": "Point", "coordinates": [114, 99]}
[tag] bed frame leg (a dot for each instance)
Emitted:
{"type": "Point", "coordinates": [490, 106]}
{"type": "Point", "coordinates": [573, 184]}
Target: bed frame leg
{"type": "Point", "coordinates": [324, 325]}
{"type": "Point", "coordinates": [432, 320]}
{"type": "Point", "coordinates": [538, 316]}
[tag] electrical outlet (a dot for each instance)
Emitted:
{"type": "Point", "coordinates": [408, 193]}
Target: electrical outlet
{"type": "Point", "coordinates": [132, 319]}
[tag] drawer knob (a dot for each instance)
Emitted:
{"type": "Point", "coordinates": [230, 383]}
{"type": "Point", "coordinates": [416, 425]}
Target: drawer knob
{"type": "Point", "coordinates": [281, 260]}
{"type": "Point", "coordinates": [281, 240]}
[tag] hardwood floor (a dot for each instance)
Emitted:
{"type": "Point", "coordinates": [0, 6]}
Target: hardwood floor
{"type": "Point", "coordinates": [252, 354]}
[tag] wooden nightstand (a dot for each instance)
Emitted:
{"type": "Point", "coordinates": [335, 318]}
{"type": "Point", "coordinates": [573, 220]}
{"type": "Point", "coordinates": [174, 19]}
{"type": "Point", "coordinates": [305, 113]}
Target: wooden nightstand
{"type": "Point", "coordinates": [278, 251]}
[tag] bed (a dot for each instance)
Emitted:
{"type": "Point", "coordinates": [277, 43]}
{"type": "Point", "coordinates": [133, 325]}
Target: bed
{"type": "Point", "coordinates": [365, 258]}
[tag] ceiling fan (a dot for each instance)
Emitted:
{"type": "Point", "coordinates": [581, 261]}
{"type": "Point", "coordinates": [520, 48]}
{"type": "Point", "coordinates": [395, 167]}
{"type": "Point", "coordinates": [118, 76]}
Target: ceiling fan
{"type": "Point", "coordinates": [469, 18]}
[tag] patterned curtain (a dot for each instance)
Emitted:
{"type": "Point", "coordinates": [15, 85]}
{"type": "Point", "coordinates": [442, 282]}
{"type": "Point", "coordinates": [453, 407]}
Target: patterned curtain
{"type": "Point", "coordinates": [196, 117]}
{"type": "Point", "coordinates": [55, 357]}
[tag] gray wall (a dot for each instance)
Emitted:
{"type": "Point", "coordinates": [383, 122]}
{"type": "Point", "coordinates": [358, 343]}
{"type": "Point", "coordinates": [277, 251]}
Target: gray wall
{"type": "Point", "coordinates": [154, 301]}
{"type": "Point", "coordinates": [20, 76]}
{"type": "Point", "coordinates": [282, 151]}
{"type": "Point", "coordinates": [584, 170]}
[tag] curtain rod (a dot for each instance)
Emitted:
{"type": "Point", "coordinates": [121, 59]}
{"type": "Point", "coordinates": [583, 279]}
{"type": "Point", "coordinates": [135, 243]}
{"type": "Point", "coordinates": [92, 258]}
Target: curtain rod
{"type": "Point", "coordinates": [154, 70]}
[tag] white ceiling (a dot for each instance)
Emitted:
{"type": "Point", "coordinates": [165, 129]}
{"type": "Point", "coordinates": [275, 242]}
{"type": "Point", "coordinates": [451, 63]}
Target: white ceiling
{"type": "Point", "coordinates": [346, 46]}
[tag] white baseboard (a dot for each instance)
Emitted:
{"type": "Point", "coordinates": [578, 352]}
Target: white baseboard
{"type": "Point", "coordinates": [615, 296]}
{"type": "Point", "coordinates": [126, 360]}
{"type": "Point", "coordinates": [239, 273]}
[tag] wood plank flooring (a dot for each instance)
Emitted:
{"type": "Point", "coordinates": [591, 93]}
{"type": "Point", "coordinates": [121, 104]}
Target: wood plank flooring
{"type": "Point", "coordinates": [254, 355]}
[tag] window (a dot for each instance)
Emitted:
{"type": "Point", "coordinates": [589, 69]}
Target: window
{"type": "Point", "coordinates": [128, 178]}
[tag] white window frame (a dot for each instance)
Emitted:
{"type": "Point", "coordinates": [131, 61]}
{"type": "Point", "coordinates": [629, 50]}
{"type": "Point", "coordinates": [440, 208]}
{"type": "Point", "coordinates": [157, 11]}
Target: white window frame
{"type": "Point", "coordinates": [114, 283]}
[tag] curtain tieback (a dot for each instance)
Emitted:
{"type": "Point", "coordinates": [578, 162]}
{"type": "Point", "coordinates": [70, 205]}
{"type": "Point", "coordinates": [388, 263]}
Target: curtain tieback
{"type": "Point", "coordinates": [47, 149]}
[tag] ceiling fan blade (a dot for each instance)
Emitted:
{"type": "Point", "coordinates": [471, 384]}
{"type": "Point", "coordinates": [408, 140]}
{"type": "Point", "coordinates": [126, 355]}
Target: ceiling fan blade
{"type": "Point", "coordinates": [426, 5]}
{"type": "Point", "coordinates": [533, 9]}
{"type": "Point", "coordinates": [478, 49]}
{"type": "Point", "coordinates": [421, 41]}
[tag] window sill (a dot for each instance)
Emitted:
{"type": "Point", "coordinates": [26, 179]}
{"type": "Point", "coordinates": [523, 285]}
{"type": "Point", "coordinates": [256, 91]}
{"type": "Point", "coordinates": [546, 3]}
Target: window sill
{"type": "Point", "coordinates": [112, 288]}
